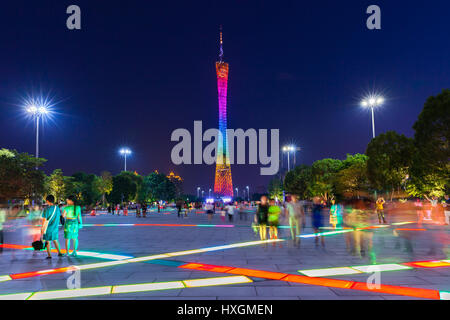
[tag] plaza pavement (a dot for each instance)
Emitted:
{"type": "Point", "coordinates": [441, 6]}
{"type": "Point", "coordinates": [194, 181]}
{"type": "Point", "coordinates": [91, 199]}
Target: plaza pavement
{"type": "Point", "coordinates": [282, 257]}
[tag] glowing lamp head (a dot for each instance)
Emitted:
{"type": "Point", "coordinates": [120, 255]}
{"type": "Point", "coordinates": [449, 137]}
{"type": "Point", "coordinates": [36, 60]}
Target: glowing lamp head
{"type": "Point", "coordinates": [125, 151]}
{"type": "Point", "coordinates": [380, 100]}
{"type": "Point", "coordinates": [32, 109]}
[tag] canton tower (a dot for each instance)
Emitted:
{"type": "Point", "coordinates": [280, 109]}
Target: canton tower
{"type": "Point", "coordinates": [223, 186]}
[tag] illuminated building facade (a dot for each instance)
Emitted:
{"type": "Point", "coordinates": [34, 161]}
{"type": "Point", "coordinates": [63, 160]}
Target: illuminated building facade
{"type": "Point", "coordinates": [223, 186]}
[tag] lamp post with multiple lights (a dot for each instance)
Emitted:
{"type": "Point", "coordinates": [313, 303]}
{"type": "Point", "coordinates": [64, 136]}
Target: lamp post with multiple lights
{"type": "Point", "coordinates": [37, 112]}
{"type": "Point", "coordinates": [290, 149]}
{"type": "Point", "coordinates": [372, 102]}
{"type": "Point", "coordinates": [125, 152]}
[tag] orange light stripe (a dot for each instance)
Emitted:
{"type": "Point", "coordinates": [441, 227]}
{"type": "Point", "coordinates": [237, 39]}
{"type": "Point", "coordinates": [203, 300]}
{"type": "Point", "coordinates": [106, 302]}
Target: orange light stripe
{"type": "Point", "coordinates": [13, 246]}
{"type": "Point", "coordinates": [258, 273]}
{"type": "Point", "coordinates": [40, 273]}
{"type": "Point", "coordinates": [402, 291]}
{"type": "Point", "coordinates": [325, 282]}
{"type": "Point", "coordinates": [427, 264]}
{"type": "Point", "coordinates": [207, 267]}
{"type": "Point", "coordinates": [319, 281]}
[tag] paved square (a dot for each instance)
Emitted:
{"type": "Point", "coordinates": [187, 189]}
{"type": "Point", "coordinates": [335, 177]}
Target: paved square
{"type": "Point", "coordinates": [112, 240]}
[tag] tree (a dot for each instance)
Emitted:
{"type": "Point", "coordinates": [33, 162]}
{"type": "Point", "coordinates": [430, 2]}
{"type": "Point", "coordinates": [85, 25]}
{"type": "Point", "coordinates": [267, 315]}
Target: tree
{"type": "Point", "coordinates": [352, 179]}
{"type": "Point", "coordinates": [430, 170]}
{"type": "Point", "coordinates": [104, 185]}
{"type": "Point", "coordinates": [125, 187]}
{"type": "Point", "coordinates": [390, 156]}
{"type": "Point", "coordinates": [19, 178]}
{"type": "Point", "coordinates": [275, 188]}
{"type": "Point", "coordinates": [85, 188]}
{"type": "Point", "coordinates": [298, 180]}
{"type": "Point", "coordinates": [57, 185]}
{"type": "Point", "coordinates": [324, 177]}
{"type": "Point", "coordinates": [159, 187]}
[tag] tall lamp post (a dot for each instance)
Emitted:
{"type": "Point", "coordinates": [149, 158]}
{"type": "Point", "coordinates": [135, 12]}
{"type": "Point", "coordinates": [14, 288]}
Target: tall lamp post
{"type": "Point", "coordinates": [372, 102]}
{"type": "Point", "coordinates": [248, 193]}
{"type": "Point", "coordinates": [209, 193]}
{"type": "Point", "coordinates": [125, 152]}
{"type": "Point", "coordinates": [198, 192]}
{"type": "Point", "coordinates": [37, 112]}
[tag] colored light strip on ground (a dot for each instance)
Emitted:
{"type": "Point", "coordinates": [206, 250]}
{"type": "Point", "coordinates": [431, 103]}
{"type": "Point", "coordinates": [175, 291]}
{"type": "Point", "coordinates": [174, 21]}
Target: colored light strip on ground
{"type": "Point", "coordinates": [381, 267]}
{"type": "Point", "coordinates": [313, 235]}
{"type": "Point", "coordinates": [353, 270]}
{"type": "Point", "coordinates": [147, 287]}
{"type": "Point", "coordinates": [329, 272]}
{"type": "Point", "coordinates": [40, 273]}
{"type": "Point", "coordinates": [428, 264]}
{"type": "Point", "coordinates": [396, 290]}
{"type": "Point", "coordinates": [408, 229]}
{"type": "Point", "coordinates": [143, 287]}
{"type": "Point", "coordinates": [216, 281]}
{"type": "Point", "coordinates": [5, 278]}
{"type": "Point", "coordinates": [70, 293]}
{"type": "Point", "coordinates": [401, 223]}
{"type": "Point", "coordinates": [16, 296]}
{"type": "Point", "coordinates": [445, 295]}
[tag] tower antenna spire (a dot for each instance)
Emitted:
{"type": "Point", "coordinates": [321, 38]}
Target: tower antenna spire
{"type": "Point", "coordinates": [221, 45]}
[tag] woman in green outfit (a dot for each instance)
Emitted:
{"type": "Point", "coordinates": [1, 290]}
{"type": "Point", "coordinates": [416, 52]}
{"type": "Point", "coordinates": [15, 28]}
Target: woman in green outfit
{"type": "Point", "coordinates": [73, 222]}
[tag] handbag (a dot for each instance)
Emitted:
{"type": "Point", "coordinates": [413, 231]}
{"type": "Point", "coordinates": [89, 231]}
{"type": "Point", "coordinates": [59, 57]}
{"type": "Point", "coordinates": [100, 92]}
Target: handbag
{"type": "Point", "coordinates": [38, 245]}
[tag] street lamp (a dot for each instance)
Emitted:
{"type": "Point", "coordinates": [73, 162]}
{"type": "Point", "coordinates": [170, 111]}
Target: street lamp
{"type": "Point", "coordinates": [248, 193]}
{"type": "Point", "coordinates": [203, 192]}
{"type": "Point", "coordinates": [198, 192]}
{"type": "Point", "coordinates": [237, 193]}
{"type": "Point", "coordinates": [372, 102]}
{"type": "Point", "coordinates": [125, 152]}
{"type": "Point", "coordinates": [38, 112]}
{"type": "Point", "coordinates": [209, 192]}
{"type": "Point", "coordinates": [289, 149]}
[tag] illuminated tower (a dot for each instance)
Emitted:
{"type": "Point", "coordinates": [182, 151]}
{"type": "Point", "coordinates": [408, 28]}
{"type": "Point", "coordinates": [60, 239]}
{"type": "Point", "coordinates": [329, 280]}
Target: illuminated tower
{"type": "Point", "coordinates": [223, 186]}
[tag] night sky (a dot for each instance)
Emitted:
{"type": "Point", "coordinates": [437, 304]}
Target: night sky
{"type": "Point", "coordinates": [137, 70]}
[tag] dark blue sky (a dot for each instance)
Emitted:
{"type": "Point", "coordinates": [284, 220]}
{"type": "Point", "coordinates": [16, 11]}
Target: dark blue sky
{"type": "Point", "coordinates": [140, 69]}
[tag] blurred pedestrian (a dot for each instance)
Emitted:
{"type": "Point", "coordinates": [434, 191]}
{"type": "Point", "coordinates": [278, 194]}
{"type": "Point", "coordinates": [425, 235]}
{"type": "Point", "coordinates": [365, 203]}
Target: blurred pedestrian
{"type": "Point", "coordinates": [261, 217]}
{"type": "Point", "coordinates": [73, 222]}
{"type": "Point", "coordinates": [296, 214]}
{"type": "Point", "coordinates": [317, 219]}
{"type": "Point", "coordinates": [380, 210]}
{"type": "Point", "coordinates": [446, 205]}
{"type": "Point", "coordinates": [273, 219]}
{"type": "Point", "coordinates": [49, 231]}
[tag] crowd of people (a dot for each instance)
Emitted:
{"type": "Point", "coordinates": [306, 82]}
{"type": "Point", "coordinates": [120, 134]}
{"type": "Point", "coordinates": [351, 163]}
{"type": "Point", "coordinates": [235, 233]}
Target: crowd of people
{"type": "Point", "coordinates": [44, 224]}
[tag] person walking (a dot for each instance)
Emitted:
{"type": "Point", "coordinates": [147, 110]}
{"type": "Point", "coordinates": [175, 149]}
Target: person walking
{"type": "Point", "coordinates": [230, 209]}
{"type": "Point", "coordinates": [446, 205]}
{"type": "Point", "coordinates": [179, 206]}
{"type": "Point", "coordinates": [295, 214]}
{"type": "Point", "coordinates": [261, 217]}
{"type": "Point", "coordinates": [317, 220]}
{"type": "Point", "coordinates": [49, 231]}
{"type": "Point", "coordinates": [144, 210]}
{"type": "Point", "coordinates": [73, 222]}
{"type": "Point", "coordinates": [273, 219]}
{"type": "Point", "coordinates": [380, 210]}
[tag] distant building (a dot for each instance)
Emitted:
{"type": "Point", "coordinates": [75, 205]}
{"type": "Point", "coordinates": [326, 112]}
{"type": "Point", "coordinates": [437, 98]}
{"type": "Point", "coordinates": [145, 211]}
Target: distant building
{"type": "Point", "coordinates": [177, 181]}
